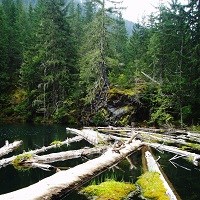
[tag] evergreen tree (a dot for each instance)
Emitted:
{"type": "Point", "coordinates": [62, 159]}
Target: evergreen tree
{"type": "Point", "coordinates": [4, 75]}
{"type": "Point", "coordinates": [14, 48]}
{"type": "Point", "coordinates": [52, 58]}
{"type": "Point", "coordinates": [96, 53]}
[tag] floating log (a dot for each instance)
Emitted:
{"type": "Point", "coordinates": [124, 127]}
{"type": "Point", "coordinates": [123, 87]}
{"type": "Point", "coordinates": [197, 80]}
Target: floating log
{"type": "Point", "coordinates": [64, 181]}
{"type": "Point", "coordinates": [66, 155]}
{"type": "Point", "coordinates": [6, 161]}
{"type": "Point", "coordinates": [195, 158]}
{"type": "Point", "coordinates": [7, 148]}
{"type": "Point", "coordinates": [153, 167]}
{"type": "Point", "coordinates": [67, 142]}
{"type": "Point", "coordinates": [147, 134]}
{"type": "Point", "coordinates": [93, 137]}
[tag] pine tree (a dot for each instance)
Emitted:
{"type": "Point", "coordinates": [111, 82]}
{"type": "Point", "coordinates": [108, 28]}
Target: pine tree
{"type": "Point", "coordinates": [52, 58]}
{"type": "Point", "coordinates": [14, 48]}
{"type": "Point", "coordinates": [4, 75]}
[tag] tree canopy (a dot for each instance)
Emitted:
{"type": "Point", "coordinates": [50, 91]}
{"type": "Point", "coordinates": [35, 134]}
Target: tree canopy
{"type": "Point", "coordinates": [63, 61]}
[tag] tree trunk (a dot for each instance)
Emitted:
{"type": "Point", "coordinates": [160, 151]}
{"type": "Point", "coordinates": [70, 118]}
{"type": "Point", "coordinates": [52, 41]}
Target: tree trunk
{"type": "Point", "coordinates": [7, 148]}
{"type": "Point", "coordinates": [153, 167]}
{"type": "Point", "coordinates": [6, 161]}
{"type": "Point", "coordinates": [64, 181]}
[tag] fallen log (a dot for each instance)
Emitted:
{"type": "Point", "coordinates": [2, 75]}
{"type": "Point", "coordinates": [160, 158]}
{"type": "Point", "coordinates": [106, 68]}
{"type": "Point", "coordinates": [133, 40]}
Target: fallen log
{"type": "Point", "coordinates": [54, 146]}
{"type": "Point", "coordinates": [193, 157]}
{"type": "Point", "coordinates": [6, 161]}
{"type": "Point", "coordinates": [7, 148]}
{"type": "Point", "coordinates": [64, 181]}
{"type": "Point", "coordinates": [93, 137]}
{"type": "Point", "coordinates": [65, 155]}
{"type": "Point", "coordinates": [153, 167]}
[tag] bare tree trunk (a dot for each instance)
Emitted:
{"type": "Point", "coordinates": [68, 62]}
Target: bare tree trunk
{"type": "Point", "coordinates": [64, 181]}
{"type": "Point", "coordinates": [7, 148]}
{"type": "Point", "coordinates": [6, 161]}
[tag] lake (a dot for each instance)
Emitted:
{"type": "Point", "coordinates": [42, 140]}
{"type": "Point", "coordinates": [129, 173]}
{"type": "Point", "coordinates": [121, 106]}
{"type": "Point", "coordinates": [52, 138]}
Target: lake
{"type": "Point", "coordinates": [186, 182]}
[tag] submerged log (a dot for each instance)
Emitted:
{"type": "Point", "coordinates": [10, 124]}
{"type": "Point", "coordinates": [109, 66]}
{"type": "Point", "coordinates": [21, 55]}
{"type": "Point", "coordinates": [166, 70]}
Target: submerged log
{"type": "Point", "coordinates": [7, 148]}
{"type": "Point", "coordinates": [6, 161]}
{"type": "Point", "coordinates": [64, 181]}
{"type": "Point", "coordinates": [195, 158]}
{"type": "Point", "coordinates": [153, 167]}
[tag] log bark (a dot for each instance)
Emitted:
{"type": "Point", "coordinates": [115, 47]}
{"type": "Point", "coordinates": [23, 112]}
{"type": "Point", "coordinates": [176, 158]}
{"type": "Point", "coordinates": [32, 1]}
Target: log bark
{"type": "Point", "coordinates": [7, 148]}
{"type": "Point", "coordinates": [67, 142]}
{"type": "Point", "coordinates": [66, 155]}
{"type": "Point", "coordinates": [153, 167]}
{"type": "Point", "coordinates": [64, 181]}
{"type": "Point", "coordinates": [6, 161]}
{"type": "Point", "coordinates": [93, 137]}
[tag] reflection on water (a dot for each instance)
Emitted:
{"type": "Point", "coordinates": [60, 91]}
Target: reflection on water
{"type": "Point", "coordinates": [187, 183]}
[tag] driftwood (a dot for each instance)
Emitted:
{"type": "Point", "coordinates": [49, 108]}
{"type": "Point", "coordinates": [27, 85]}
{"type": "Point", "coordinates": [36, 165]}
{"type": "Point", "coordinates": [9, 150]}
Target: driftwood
{"type": "Point", "coordinates": [93, 137]}
{"type": "Point", "coordinates": [153, 167]}
{"type": "Point", "coordinates": [6, 161]}
{"type": "Point", "coordinates": [67, 142]}
{"type": "Point", "coordinates": [172, 133]}
{"type": "Point", "coordinates": [7, 148]}
{"type": "Point", "coordinates": [125, 143]}
{"type": "Point", "coordinates": [65, 155]}
{"type": "Point", "coordinates": [64, 181]}
{"type": "Point", "coordinates": [45, 167]}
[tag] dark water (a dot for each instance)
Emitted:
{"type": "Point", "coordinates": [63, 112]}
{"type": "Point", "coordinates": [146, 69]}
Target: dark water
{"type": "Point", "coordinates": [186, 183]}
{"type": "Point", "coordinates": [35, 136]}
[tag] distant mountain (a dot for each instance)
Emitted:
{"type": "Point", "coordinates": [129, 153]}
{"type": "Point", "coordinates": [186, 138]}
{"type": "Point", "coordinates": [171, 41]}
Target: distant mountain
{"type": "Point", "coordinates": [129, 24]}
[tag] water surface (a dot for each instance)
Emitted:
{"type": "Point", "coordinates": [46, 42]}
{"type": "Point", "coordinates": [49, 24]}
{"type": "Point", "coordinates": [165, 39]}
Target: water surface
{"type": "Point", "coordinates": [186, 182]}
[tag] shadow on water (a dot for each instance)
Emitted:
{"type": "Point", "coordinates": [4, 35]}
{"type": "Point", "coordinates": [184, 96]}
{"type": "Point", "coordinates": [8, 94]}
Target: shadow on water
{"type": "Point", "coordinates": [186, 183]}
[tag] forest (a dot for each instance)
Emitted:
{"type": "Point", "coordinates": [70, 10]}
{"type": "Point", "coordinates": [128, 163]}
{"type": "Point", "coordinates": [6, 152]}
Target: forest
{"type": "Point", "coordinates": [75, 63]}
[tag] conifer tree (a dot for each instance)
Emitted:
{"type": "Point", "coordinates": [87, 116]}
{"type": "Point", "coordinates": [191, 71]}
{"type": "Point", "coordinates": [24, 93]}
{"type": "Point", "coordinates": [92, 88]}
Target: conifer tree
{"type": "Point", "coordinates": [4, 75]}
{"type": "Point", "coordinates": [52, 58]}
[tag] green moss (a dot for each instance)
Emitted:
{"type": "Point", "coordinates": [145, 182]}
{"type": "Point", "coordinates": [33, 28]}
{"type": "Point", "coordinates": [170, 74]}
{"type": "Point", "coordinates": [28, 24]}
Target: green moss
{"type": "Point", "coordinates": [124, 121]}
{"type": "Point", "coordinates": [128, 92]}
{"type": "Point", "coordinates": [100, 117]}
{"type": "Point", "coordinates": [57, 143]}
{"type": "Point", "coordinates": [109, 190]}
{"type": "Point", "coordinates": [191, 146]}
{"type": "Point", "coordinates": [17, 162]}
{"type": "Point", "coordinates": [152, 186]}
{"type": "Point", "coordinates": [195, 128]}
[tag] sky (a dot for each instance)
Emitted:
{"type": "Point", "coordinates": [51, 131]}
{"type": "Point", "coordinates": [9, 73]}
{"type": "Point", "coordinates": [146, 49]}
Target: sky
{"type": "Point", "coordinates": [136, 9]}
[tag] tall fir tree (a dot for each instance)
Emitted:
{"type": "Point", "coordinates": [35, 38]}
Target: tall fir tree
{"type": "Point", "coordinates": [52, 58]}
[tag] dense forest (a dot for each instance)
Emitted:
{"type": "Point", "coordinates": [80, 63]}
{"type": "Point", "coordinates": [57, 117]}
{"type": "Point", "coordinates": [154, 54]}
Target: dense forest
{"type": "Point", "coordinates": [68, 62]}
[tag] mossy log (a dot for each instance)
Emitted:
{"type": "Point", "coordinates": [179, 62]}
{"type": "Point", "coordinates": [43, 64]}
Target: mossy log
{"type": "Point", "coordinates": [64, 181]}
{"type": "Point", "coordinates": [65, 155]}
{"type": "Point", "coordinates": [6, 161]}
{"type": "Point", "coordinates": [186, 139]}
{"type": "Point", "coordinates": [153, 167]}
{"type": "Point", "coordinates": [7, 148]}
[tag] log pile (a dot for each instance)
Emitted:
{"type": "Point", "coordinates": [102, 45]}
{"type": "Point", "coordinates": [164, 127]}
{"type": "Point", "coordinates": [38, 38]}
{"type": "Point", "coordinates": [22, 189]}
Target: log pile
{"type": "Point", "coordinates": [111, 144]}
